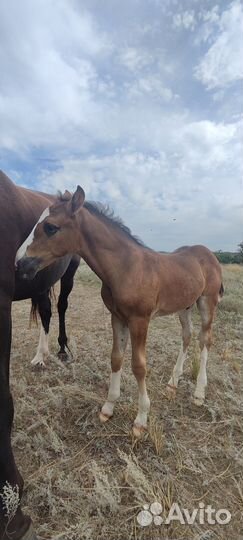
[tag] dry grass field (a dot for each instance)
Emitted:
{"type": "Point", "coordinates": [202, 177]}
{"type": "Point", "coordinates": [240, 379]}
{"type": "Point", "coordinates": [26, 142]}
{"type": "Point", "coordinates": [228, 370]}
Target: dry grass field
{"type": "Point", "coordinates": [88, 481]}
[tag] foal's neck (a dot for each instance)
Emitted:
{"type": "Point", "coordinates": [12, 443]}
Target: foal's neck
{"type": "Point", "coordinates": [104, 247]}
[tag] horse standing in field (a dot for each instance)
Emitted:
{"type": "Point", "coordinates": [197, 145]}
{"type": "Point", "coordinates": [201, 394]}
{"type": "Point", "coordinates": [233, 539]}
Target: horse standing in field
{"type": "Point", "coordinates": [138, 284]}
{"type": "Point", "coordinates": [20, 209]}
{"type": "Point", "coordinates": [39, 290]}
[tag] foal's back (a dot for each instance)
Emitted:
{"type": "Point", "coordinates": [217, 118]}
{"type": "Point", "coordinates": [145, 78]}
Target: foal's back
{"type": "Point", "coordinates": [209, 265]}
{"type": "Point", "coordinates": [186, 275]}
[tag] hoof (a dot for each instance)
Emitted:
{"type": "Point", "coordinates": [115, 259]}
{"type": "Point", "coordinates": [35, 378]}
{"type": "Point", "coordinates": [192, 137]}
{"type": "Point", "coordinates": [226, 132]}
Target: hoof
{"type": "Point", "coordinates": [138, 431]}
{"type": "Point", "coordinates": [39, 363]}
{"type": "Point", "coordinates": [65, 357]}
{"type": "Point", "coordinates": [198, 401]}
{"type": "Point", "coordinates": [171, 391]}
{"type": "Point", "coordinates": [104, 417]}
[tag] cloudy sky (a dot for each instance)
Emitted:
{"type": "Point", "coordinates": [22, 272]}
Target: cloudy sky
{"type": "Point", "coordinates": [138, 101]}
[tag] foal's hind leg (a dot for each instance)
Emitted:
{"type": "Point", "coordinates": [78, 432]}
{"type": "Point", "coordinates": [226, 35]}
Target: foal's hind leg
{"type": "Point", "coordinates": [120, 335]}
{"type": "Point", "coordinates": [206, 306]}
{"type": "Point", "coordinates": [44, 308]}
{"type": "Point", "coordinates": [186, 323]}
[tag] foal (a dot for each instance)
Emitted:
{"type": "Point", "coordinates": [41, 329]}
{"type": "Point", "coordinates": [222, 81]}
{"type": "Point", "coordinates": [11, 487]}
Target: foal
{"type": "Point", "coordinates": [138, 284]}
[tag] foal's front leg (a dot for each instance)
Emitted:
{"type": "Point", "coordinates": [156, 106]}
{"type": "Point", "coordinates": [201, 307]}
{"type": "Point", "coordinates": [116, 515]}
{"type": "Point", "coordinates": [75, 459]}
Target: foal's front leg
{"type": "Point", "coordinates": [138, 330]}
{"type": "Point", "coordinates": [120, 335]}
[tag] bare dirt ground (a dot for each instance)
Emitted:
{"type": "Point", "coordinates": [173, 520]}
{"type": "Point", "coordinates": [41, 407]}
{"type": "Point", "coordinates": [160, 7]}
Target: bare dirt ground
{"type": "Point", "coordinates": [88, 481]}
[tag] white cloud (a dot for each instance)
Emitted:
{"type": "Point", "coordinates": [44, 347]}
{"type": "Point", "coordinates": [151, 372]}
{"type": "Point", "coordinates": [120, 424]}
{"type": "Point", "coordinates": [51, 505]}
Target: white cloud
{"type": "Point", "coordinates": [48, 74]}
{"type": "Point", "coordinates": [108, 97]}
{"type": "Point", "coordinates": [134, 59]}
{"type": "Point", "coordinates": [187, 181]}
{"type": "Point", "coordinates": [53, 93]}
{"type": "Point", "coordinates": [150, 85]}
{"type": "Point", "coordinates": [222, 64]}
{"type": "Point", "coordinates": [186, 20]}
{"type": "Point", "coordinates": [211, 15]}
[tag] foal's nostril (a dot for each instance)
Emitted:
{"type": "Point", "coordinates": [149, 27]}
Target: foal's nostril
{"type": "Point", "coordinates": [27, 267]}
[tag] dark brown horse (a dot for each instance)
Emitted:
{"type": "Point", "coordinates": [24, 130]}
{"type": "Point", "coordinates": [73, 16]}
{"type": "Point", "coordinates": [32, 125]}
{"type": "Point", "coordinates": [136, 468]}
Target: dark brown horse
{"type": "Point", "coordinates": [20, 209]}
{"type": "Point", "coordinates": [138, 284]}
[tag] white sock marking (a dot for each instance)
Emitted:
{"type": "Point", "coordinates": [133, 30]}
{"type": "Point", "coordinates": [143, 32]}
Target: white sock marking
{"type": "Point", "coordinates": [143, 409]}
{"type": "Point", "coordinates": [202, 375]}
{"type": "Point", "coordinates": [120, 335]}
{"type": "Point", "coordinates": [42, 350]}
{"type": "Point", "coordinates": [178, 369]}
{"type": "Point", "coordinates": [143, 405]}
{"type": "Point", "coordinates": [22, 249]}
{"type": "Point", "coordinates": [113, 394]}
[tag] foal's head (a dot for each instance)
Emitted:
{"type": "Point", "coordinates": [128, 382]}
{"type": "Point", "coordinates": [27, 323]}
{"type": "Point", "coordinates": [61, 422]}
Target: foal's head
{"type": "Point", "coordinates": [57, 235]}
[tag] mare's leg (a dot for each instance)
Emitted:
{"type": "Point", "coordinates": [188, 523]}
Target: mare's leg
{"type": "Point", "coordinates": [206, 306]}
{"type": "Point", "coordinates": [186, 324]}
{"type": "Point", "coordinates": [120, 335]}
{"type": "Point", "coordinates": [138, 330]}
{"type": "Point", "coordinates": [17, 525]}
{"type": "Point", "coordinates": [44, 309]}
{"type": "Point", "coordinates": [66, 287]}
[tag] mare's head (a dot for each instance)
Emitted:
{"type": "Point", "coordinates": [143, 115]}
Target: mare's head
{"type": "Point", "coordinates": [57, 235]}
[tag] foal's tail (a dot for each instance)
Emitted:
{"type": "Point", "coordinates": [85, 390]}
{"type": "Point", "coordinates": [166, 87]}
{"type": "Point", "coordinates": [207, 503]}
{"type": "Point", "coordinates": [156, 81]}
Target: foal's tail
{"type": "Point", "coordinates": [34, 310]}
{"type": "Point", "coordinates": [221, 292]}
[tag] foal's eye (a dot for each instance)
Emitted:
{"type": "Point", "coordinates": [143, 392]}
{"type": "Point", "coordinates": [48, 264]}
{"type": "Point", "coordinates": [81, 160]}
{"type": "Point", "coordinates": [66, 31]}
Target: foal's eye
{"type": "Point", "coordinates": [50, 229]}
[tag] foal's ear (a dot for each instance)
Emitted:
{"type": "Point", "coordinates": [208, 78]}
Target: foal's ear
{"type": "Point", "coordinates": [66, 195]}
{"type": "Point", "coordinates": [77, 199]}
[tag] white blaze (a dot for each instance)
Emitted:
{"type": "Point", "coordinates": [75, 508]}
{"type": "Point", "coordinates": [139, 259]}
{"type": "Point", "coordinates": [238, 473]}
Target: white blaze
{"type": "Point", "coordinates": [22, 250]}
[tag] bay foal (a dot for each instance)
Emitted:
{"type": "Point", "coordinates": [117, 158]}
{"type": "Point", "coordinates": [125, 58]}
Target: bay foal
{"type": "Point", "coordinates": [138, 284]}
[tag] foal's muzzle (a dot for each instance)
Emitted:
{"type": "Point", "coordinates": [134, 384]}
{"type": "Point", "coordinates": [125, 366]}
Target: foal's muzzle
{"type": "Point", "coordinates": [27, 267]}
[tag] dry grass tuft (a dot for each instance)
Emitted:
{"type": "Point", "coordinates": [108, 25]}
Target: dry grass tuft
{"type": "Point", "coordinates": [106, 491]}
{"type": "Point", "coordinates": [84, 481]}
{"type": "Point", "coordinates": [156, 434]}
{"type": "Point", "coordinates": [10, 500]}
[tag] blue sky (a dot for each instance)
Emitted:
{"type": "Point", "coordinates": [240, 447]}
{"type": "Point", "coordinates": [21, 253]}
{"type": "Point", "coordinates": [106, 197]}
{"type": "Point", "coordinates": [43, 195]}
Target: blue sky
{"type": "Point", "coordinates": [138, 101]}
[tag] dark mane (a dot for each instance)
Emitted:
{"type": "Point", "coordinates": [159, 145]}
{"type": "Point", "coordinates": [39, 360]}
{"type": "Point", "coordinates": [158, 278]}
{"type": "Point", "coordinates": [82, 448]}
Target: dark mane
{"type": "Point", "coordinates": [106, 213]}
